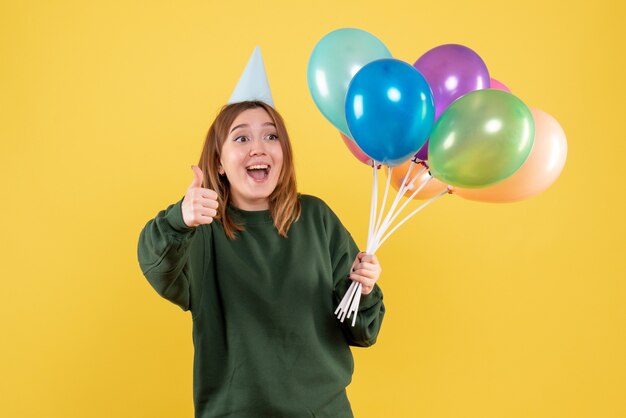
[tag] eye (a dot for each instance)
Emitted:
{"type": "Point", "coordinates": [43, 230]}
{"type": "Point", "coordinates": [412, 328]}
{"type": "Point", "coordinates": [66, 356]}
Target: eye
{"type": "Point", "coordinates": [241, 139]}
{"type": "Point", "coordinates": [272, 137]}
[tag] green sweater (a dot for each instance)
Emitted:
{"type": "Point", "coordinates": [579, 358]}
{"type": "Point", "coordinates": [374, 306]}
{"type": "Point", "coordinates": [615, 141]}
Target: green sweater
{"type": "Point", "coordinates": [266, 342]}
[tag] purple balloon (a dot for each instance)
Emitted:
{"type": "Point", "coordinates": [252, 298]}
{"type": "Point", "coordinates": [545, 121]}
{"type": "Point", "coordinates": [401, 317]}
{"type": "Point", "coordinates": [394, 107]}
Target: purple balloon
{"type": "Point", "coordinates": [452, 71]}
{"type": "Point", "coordinates": [422, 154]}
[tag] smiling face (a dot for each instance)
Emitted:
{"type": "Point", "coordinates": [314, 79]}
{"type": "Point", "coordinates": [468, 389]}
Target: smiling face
{"type": "Point", "coordinates": [252, 159]}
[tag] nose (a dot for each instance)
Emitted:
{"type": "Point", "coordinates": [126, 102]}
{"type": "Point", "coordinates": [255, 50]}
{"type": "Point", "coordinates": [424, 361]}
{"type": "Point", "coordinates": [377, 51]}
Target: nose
{"type": "Point", "coordinates": [257, 147]}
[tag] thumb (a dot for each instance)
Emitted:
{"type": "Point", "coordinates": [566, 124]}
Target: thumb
{"type": "Point", "coordinates": [198, 177]}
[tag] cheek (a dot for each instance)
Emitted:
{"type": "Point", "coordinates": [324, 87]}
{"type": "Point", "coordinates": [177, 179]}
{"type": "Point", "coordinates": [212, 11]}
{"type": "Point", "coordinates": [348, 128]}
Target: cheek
{"type": "Point", "coordinates": [231, 159]}
{"type": "Point", "coordinates": [278, 155]}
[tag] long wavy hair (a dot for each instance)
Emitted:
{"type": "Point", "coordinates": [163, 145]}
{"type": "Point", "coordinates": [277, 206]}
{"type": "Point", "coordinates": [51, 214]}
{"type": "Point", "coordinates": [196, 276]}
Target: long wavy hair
{"type": "Point", "coordinates": [283, 201]}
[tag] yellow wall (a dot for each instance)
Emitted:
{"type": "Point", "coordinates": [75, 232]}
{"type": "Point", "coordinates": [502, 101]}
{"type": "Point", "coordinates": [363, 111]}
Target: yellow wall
{"type": "Point", "coordinates": [514, 310]}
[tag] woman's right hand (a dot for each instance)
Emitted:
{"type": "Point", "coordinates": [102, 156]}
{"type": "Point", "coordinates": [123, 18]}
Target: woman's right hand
{"type": "Point", "coordinates": [199, 204]}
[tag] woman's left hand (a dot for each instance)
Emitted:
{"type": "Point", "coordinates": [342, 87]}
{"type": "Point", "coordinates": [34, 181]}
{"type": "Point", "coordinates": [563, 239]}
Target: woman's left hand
{"type": "Point", "coordinates": [365, 270]}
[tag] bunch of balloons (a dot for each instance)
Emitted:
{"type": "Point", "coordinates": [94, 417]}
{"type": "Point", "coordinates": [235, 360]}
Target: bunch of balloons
{"type": "Point", "coordinates": [445, 111]}
{"type": "Point", "coordinates": [443, 118]}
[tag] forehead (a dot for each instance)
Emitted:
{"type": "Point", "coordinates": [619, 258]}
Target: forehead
{"type": "Point", "coordinates": [252, 117]}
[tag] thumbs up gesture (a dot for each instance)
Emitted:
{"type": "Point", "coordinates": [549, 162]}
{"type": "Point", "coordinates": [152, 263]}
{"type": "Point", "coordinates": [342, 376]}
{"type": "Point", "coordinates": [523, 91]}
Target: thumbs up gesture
{"type": "Point", "coordinates": [199, 204]}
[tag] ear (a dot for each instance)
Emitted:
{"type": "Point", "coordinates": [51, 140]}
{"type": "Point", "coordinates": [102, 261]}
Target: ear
{"type": "Point", "coordinates": [221, 171]}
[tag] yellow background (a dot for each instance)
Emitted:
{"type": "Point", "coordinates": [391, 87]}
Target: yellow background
{"type": "Point", "coordinates": [514, 310]}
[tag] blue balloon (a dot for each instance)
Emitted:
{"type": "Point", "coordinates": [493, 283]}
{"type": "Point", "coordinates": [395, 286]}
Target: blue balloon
{"type": "Point", "coordinates": [389, 110]}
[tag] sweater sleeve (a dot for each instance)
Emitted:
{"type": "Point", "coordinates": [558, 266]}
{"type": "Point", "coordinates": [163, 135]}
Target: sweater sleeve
{"type": "Point", "coordinates": [170, 255]}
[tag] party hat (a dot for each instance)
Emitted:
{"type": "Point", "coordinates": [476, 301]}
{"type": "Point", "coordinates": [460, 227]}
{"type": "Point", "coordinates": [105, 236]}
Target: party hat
{"type": "Point", "coordinates": [253, 84]}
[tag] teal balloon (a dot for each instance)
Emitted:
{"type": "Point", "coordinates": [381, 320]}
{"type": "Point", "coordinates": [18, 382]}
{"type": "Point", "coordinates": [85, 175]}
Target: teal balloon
{"type": "Point", "coordinates": [480, 139]}
{"type": "Point", "coordinates": [336, 58]}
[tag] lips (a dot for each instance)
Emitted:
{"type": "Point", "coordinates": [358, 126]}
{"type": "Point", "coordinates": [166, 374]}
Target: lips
{"type": "Point", "coordinates": [258, 172]}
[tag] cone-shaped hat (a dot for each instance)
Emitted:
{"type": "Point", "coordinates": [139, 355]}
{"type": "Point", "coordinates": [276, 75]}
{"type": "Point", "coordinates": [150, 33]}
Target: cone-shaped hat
{"type": "Point", "coordinates": [253, 84]}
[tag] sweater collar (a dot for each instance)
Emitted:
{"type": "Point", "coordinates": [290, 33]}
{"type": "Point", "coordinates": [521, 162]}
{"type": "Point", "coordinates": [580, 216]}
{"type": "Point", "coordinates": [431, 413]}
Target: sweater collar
{"type": "Point", "coordinates": [250, 217]}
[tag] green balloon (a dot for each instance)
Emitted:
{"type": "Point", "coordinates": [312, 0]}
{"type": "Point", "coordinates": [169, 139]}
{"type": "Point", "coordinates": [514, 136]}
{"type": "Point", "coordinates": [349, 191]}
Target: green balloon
{"type": "Point", "coordinates": [482, 138]}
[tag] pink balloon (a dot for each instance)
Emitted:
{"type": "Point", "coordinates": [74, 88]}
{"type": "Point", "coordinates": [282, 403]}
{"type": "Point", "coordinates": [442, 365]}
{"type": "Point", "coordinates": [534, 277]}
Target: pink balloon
{"type": "Point", "coordinates": [541, 169]}
{"type": "Point", "coordinates": [495, 84]}
{"type": "Point", "coordinates": [356, 151]}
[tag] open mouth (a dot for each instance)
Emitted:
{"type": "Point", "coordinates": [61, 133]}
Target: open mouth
{"type": "Point", "coordinates": [258, 172]}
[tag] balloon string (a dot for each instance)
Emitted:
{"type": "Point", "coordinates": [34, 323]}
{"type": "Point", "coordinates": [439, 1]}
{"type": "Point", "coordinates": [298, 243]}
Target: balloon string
{"type": "Point", "coordinates": [350, 302]}
{"type": "Point", "coordinates": [382, 207]}
{"type": "Point", "coordinates": [374, 203]}
{"type": "Point", "coordinates": [405, 184]}
{"type": "Point", "coordinates": [393, 213]}
{"type": "Point", "coordinates": [409, 216]}
{"type": "Point", "coordinates": [344, 301]}
{"type": "Point", "coordinates": [355, 304]}
{"type": "Point", "coordinates": [350, 294]}
{"type": "Point", "coordinates": [391, 210]}
{"type": "Point", "coordinates": [412, 181]}
{"type": "Point", "coordinates": [349, 305]}
{"type": "Point", "coordinates": [408, 172]}
{"type": "Point", "coordinates": [397, 213]}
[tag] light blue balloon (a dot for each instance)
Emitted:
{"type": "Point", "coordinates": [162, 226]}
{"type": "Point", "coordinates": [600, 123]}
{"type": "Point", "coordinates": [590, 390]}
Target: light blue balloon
{"type": "Point", "coordinates": [335, 59]}
{"type": "Point", "coordinates": [389, 110]}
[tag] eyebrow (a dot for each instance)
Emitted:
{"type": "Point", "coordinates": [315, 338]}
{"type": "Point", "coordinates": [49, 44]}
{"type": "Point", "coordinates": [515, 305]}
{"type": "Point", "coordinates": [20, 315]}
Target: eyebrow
{"type": "Point", "coordinates": [245, 125]}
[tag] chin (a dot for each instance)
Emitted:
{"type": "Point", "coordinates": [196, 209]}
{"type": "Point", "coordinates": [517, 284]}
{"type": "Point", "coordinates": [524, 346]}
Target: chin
{"type": "Point", "coordinates": [257, 195]}
{"type": "Point", "coordinates": [261, 190]}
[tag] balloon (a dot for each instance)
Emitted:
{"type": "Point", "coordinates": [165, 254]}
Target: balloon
{"type": "Point", "coordinates": [356, 151]}
{"type": "Point", "coordinates": [422, 154]}
{"type": "Point", "coordinates": [335, 59]}
{"type": "Point", "coordinates": [541, 169]}
{"type": "Point", "coordinates": [389, 110]}
{"type": "Point", "coordinates": [495, 84]}
{"type": "Point", "coordinates": [452, 71]}
{"type": "Point", "coordinates": [415, 180]}
{"type": "Point", "coordinates": [481, 139]}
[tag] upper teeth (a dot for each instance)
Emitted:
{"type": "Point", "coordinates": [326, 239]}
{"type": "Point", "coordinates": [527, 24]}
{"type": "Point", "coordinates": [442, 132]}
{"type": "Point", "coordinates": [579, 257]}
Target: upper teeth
{"type": "Point", "coordinates": [258, 167]}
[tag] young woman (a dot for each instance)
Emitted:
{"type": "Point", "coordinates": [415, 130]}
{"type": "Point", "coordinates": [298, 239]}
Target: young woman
{"type": "Point", "coordinates": [261, 268]}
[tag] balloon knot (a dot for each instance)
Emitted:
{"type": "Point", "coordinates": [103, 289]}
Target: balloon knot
{"type": "Point", "coordinates": [372, 162]}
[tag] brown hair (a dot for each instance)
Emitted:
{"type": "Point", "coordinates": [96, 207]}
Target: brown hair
{"type": "Point", "coordinates": [283, 202]}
